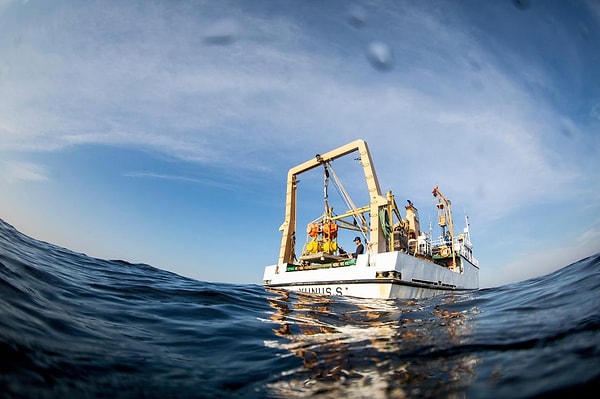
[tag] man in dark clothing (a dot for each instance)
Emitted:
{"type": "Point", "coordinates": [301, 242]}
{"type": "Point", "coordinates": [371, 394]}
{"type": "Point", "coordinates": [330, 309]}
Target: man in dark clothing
{"type": "Point", "coordinates": [359, 247]}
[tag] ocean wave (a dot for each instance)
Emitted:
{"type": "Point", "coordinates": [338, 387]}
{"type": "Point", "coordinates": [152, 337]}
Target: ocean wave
{"type": "Point", "coordinates": [76, 326]}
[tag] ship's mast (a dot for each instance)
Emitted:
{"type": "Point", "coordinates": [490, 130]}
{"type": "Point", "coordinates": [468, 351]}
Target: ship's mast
{"type": "Point", "coordinates": [445, 219]}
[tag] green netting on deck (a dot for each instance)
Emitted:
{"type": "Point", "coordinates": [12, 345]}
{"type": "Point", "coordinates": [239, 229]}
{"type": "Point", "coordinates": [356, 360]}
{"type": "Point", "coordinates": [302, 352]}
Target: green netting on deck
{"type": "Point", "coordinates": [295, 268]}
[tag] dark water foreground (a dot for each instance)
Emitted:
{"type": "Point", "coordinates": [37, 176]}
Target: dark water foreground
{"type": "Point", "coordinates": [72, 326]}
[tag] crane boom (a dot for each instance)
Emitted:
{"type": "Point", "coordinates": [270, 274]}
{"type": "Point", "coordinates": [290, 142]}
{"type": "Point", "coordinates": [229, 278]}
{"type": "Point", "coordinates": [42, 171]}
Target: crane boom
{"type": "Point", "coordinates": [377, 239]}
{"type": "Point", "coordinates": [445, 219]}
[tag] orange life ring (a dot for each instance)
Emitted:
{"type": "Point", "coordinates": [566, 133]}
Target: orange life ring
{"type": "Point", "coordinates": [444, 252]}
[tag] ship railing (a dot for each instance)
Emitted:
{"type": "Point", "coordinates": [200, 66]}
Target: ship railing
{"type": "Point", "coordinates": [441, 242]}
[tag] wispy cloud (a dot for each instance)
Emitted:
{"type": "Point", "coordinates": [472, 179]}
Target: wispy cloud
{"type": "Point", "coordinates": [178, 178]}
{"type": "Point", "coordinates": [212, 84]}
{"type": "Point", "coordinates": [23, 171]}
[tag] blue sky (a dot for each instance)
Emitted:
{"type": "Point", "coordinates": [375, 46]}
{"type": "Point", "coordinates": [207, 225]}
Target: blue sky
{"type": "Point", "coordinates": [161, 132]}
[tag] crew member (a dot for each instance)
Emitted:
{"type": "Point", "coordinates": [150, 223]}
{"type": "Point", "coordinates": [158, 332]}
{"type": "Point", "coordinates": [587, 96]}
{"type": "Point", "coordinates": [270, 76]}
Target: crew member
{"type": "Point", "coordinates": [359, 247]}
{"type": "Point", "coordinates": [448, 238]}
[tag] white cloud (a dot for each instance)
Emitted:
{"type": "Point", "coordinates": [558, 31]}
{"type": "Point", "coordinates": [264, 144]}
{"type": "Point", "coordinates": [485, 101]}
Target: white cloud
{"type": "Point", "coordinates": [179, 178]}
{"type": "Point", "coordinates": [23, 171]}
{"type": "Point", "coordinates": [146, 77]}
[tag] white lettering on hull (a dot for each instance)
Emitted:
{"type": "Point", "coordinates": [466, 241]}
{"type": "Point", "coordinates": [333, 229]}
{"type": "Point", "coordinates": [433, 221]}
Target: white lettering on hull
{"type": "Point", "coordinates": [323, 290]}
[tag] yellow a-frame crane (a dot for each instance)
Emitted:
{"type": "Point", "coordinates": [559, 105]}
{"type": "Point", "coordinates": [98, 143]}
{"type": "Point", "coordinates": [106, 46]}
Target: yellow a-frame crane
{"type": "Point", "coordinates": [377, 200]}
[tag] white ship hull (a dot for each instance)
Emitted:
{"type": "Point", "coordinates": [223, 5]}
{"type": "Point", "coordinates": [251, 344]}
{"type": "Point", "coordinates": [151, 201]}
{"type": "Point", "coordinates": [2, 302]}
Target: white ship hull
{"type": "Point", "coordinates": [401, 260]}
{"type": "Point", "coordinates": [384, 275]}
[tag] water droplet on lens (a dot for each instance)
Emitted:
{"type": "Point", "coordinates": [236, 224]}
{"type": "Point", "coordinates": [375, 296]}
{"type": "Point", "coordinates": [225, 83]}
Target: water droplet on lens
{"type": "Point", "coordinates": [222, 32]}
{"type": "Point", "coordinates": [357, 16]}
{"type": "Point", "coordinates": [521, 4]}
{"type": "Point", "coordinates": [380, 56]}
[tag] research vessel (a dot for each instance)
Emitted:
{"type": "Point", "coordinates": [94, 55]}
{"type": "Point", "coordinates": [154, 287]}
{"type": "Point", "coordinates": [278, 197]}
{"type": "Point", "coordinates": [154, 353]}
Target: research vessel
{"type": "Point", "coordinates": [400, 259]}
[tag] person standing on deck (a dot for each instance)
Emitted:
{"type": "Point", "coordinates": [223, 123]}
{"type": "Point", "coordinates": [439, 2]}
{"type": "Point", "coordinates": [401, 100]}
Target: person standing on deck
{"type": "Point", "coordinates": [448, 238]}
{"type": "Point", "coordinates": [359, 247]}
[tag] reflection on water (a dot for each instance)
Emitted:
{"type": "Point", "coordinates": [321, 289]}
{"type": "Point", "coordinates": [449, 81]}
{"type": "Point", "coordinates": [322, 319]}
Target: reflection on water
{"type": "Point", "coordinates": [373, 348]}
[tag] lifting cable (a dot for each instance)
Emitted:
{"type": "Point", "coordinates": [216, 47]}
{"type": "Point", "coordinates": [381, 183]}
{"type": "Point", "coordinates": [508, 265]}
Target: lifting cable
{"type": "Point", "coordinates": [348, 201]}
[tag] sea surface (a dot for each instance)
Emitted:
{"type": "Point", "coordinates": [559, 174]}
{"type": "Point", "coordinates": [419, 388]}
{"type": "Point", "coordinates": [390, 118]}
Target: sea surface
{"type": "Point", "coordinates": [72, 326]}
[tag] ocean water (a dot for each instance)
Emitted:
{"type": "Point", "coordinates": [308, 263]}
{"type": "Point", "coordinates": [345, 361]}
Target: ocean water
{"type": "Point", "coordinates": [72, 326]}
